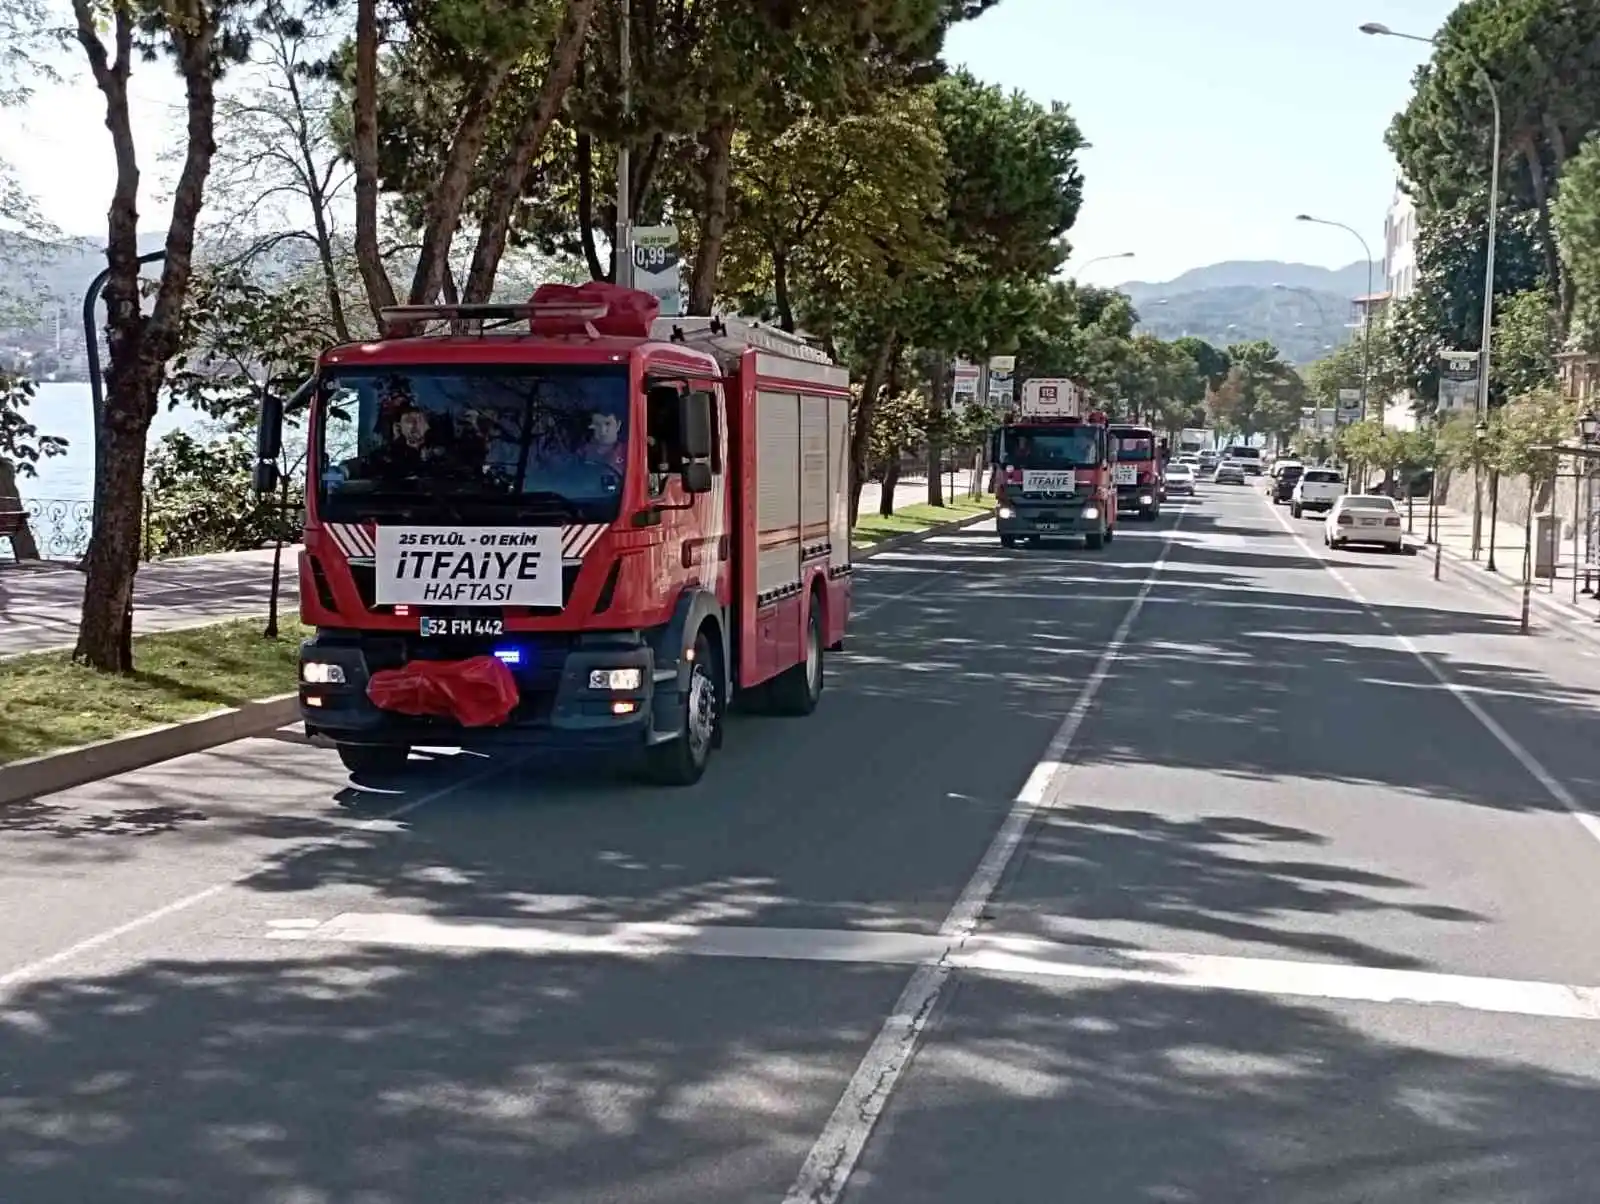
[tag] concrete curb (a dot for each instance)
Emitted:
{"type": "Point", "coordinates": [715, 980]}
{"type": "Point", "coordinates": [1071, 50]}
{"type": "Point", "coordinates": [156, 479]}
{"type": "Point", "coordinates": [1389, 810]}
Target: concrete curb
{"type": "Point", "coordinates": [895, 542]}
{"type": "Point", "coordinates": [70, 767]}
{"type": "Point", "coordinates": [1544, 612]}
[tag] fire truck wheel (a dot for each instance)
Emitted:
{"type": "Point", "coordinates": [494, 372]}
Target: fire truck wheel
{"type": "Point", "coordinates": [797, 690]}
{"type": "Point", "coordinates": [682, 762]}
{"type": "Point", "coordinates": [1111, 533]}
{"type": "Point", "coordinates": [377, 760]}
{"type": "Point", "coordinates": [1094, 542]}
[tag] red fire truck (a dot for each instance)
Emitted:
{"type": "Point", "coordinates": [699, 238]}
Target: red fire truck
{"type": "Point", "coordinates": [1053, 465]}
{"type": "Point", "coordinates": [1139, 471]}
{"type": "Point", "coordinates": [567, 522]}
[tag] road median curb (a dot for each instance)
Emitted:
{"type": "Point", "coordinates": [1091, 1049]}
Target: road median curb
{"type": "Point", "coordinates": [895, 542]}
{"type": "Point", "coordinates": [70, 767]}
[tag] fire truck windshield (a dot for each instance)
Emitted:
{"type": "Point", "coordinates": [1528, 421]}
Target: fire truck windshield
{"type": "Point", "coordinates": [484, 438]}
{"type": "Point", "coordinates": [1049, 447]}
{"type": "Point", "coordinates": [1136, 447]}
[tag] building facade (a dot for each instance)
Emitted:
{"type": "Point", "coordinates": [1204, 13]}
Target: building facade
{"type": "Point", "coordinates": [1400, 246]}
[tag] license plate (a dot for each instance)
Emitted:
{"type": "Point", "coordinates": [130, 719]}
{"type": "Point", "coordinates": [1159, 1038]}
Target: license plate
{"type": "Point", "coordinates": [1369, 522]}
{"type": "Point", "coordinates": [447, 626]}
{"type": "Point", "coordinates": [1047, 526]}
{"type": "Point", "coordinates": [1127, 474]}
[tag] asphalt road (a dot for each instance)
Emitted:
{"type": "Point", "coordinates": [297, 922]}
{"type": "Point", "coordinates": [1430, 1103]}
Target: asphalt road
{"type": "Point", "coordinates": [40, 603]}
{"type": "Point", "coordinates": [1207, 867]}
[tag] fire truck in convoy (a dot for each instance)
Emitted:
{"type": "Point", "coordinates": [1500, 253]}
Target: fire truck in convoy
{"type": "Point", "coordinates": [1139, 473]}
{"type": "Point", "coordinates": [567, 522]}
{"type": "Point", "coordinates": [1053, 465]}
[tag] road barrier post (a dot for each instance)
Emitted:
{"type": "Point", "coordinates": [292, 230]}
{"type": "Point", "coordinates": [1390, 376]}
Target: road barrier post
{"type": "Point", "coordinates": [1438, 550]}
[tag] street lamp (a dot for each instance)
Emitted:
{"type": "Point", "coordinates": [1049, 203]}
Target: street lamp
{"type": "Point", "coordinates": [1366, 312]}
{"type": "Point", "coordinates": [1589, 426]}
{"type": "Point", "coordinates": [1378, 30]}
{"type": "Point", "coordinates": [1105, 258]}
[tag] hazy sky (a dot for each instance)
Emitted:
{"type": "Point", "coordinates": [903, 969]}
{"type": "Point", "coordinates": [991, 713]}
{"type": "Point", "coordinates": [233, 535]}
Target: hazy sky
{"type": "Point", "coordinates": [1212, 123]}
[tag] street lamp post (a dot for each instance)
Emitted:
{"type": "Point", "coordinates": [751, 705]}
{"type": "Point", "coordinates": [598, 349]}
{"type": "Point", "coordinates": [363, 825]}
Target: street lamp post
{"type": "Point", "coordinates": [1379, 30]}
{"type": "Point", "coordinates": [1366, 309]}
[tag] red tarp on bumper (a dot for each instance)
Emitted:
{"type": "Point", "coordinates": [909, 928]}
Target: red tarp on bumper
{"type": "Point", "coordinates": [475, 693]}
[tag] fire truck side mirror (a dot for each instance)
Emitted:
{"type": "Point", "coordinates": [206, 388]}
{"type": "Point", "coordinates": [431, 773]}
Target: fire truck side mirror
{"type": "Point", "coordinates": [696, 477]}
{"type": "Point", "coordinates": [694, 424]}
{"type": "Point", "coordinates": [269, 443]}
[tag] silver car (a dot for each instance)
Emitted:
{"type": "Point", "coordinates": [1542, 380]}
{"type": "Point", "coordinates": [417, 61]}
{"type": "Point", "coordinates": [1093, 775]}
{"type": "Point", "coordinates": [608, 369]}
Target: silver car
{"type": "Point", "coordinates": [1229, 472]}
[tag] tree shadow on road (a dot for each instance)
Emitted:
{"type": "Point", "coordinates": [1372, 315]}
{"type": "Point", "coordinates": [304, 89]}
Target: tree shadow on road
{"type": "Point", "coordinates": [412, 1078]}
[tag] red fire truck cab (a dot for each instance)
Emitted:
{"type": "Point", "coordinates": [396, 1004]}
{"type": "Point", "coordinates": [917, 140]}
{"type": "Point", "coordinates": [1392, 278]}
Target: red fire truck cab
{"type": "Point", "coordinates": [1053, 469]}
{"type": "Point", "coordinates": [1141, 464]}
{"type": "Point", "coordinates": [638, 518]}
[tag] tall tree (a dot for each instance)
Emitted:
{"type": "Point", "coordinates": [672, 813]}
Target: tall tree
{"type": "Point", "coordinates": [1543, 57]}
{"type": "Point", "coordinates": [831, 205]}
{"type": "Point", "coordinates": [201, 37]}
{"type": "Point", "coordinates": [1576, 218]}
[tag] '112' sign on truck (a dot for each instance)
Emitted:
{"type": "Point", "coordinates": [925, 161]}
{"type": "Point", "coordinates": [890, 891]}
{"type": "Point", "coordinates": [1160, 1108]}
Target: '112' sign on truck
{"type": "Point", "coordinates": [1051, 399]}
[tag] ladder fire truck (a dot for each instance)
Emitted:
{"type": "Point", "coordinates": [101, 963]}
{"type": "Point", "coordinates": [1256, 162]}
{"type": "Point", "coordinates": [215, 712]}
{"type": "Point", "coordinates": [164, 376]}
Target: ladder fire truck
{"type": "Point", "coordinates": [567, 522]}
{"type": "Point", "coordinates": [1054, 462]}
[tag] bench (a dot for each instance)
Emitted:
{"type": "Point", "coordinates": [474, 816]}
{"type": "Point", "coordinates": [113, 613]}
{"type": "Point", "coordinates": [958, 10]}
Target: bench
{"type": "Point", "coordinates": [12, 523]}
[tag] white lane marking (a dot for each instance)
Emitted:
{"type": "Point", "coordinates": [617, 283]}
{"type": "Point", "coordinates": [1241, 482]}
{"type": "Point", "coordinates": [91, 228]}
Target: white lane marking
{"type": "Point", "coordinates": [595, 937]}
{"type": "Point", "coordinates": [34, 968]}
{"type": "Point", "coordinates": [1535, 768]}
{"type": "Point", "coordinates": [986, 953]}
{"type": "Point", "coordinates": [833, 1157]}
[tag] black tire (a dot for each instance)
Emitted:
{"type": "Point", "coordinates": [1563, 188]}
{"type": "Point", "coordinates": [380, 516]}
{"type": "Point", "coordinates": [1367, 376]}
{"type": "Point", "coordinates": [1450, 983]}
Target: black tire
{"type": "Point", "coordinates": [1095, 542]}
{"type": "Point", "coordinates": [682, 761]}
{"type": "Point", "coordinates": [797, 690]}
{"type": "Point", "coordinates": [1111, 533]}
{"type": "Point", "coordinates": [1294, 511]}
{"type": "Point", "coordinates": [1008, 541]}
{"type": "Point", "coordinates": [374, 760]}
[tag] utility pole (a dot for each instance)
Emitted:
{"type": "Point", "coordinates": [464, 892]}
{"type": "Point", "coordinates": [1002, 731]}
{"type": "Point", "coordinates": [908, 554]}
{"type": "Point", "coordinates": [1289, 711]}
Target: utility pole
{"type": "Point", "coordinates": [624, 233]}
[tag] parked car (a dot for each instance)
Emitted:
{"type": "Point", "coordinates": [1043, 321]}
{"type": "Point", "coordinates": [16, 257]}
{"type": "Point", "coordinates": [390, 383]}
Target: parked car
{"type": "Point", "coordinates": [1366, 518]}
{"type": "Point", "coordinates": [1317, 489]}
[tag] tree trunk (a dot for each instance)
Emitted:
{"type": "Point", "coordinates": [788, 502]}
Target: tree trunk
{"type": "Point", "coordinates": [496, 221]}
{"type": "Point", "coordinates": [591, 253]}
{"type": "Point", "coordinates": [455, 182]}
{"type": "Point", "coordinates": [718, 144]}
{"type": "Point", "coordinates": [364, 151]}
{"type": "Point", "coordinates": [104, 629]}
{"type": "Point", "coordinates": [23, 544]}
{"type": "Point", "coordinates": [936, 407]}
{"type": "Point", "coordinates": [780, 289]}
{"type": "Point", "coordinates": [138, 347]}
{"type": "Point", "coordinates": [1494, 509]}
{"type": "Point", "coordinates": [861, 427]}
{"type": "Point", "coordinates": [891, 481]}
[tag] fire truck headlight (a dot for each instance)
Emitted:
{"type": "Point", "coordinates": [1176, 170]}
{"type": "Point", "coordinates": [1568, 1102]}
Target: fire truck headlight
{"type": "Point", "coordinates": [1091, 512]}
{"type": "Point", "coordinates": [1005, 512]}
{"type": "Point", "coordinates": [615, 679]}
{"type": "Point", "coordinates": [320, 673]}
{"type": "Point", "coordinates": [1145, 499]}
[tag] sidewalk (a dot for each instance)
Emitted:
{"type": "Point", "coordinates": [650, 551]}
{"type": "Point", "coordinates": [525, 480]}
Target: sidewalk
{"type": "Point", "coordinates": [1551, 603]}
{"type": "Point", "coordinates": [39, 603]}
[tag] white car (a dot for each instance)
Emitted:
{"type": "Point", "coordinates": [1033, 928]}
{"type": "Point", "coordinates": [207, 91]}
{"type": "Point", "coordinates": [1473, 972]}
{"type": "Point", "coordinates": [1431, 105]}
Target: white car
{"type": "Point", "coordinates": [1180, 480]}
{"type": "Point", "coordinates": [1366, 518]}
{"type": "Point", "coordinates": [1317, 489]}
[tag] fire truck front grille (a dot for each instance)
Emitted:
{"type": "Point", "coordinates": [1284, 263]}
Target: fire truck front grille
{"type": "Point", "coordinates": [366, 575]}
